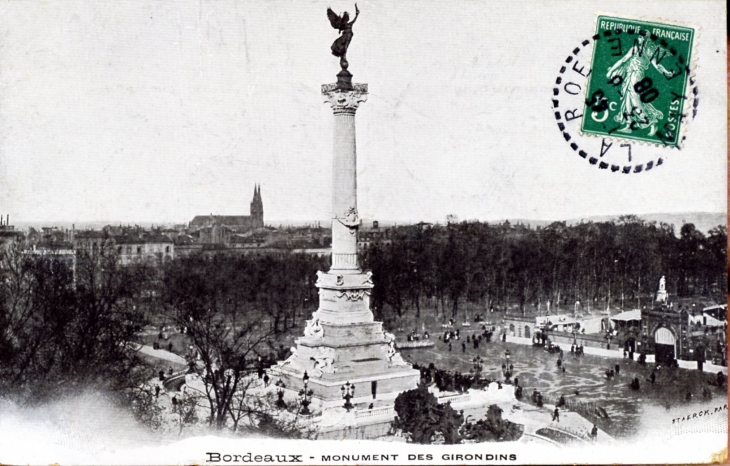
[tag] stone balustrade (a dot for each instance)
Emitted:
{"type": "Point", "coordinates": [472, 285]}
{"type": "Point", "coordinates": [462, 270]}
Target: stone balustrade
{"type": "Point", "coordinates": [375, 412]}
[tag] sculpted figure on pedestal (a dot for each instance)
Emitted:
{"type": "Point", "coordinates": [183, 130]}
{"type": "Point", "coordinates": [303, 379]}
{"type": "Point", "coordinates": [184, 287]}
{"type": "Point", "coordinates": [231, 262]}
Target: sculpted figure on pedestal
{"type": "Point", "coordinates": [351, 220]}
{"type": "Point", "coordinates": [313, 329]}
{"type": "Point", "coordinates": [344, 25]}
{"type": "Point", "coordinates": [393, 356]}
{"type": "Point", "coordinates": [322, 361]}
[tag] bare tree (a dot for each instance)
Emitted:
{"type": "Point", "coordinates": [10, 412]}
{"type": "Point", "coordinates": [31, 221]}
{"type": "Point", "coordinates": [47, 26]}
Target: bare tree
{"type": "Point", "coordinates": [67, 327]}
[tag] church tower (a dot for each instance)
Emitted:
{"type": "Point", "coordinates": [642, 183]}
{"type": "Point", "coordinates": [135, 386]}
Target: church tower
{"type": "Point", "coordinates": [257, 208]}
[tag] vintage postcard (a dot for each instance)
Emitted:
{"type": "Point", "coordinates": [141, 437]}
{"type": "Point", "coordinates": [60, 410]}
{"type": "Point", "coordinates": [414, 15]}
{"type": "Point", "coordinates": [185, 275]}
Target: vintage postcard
{"type": "Point", "coordinates": [373, 233]}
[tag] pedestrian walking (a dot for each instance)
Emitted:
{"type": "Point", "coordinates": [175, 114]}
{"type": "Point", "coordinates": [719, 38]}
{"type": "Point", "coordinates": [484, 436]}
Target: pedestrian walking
{"type": "Point", "coordinates": [463, 347]}
{"type": "Point", "coordinates": [618, 368]}
{"type": "Point", "coordinates": [157, 391]}
{"type": "Point", "coordinates": [594, 432]}
{"type": "Point", "coordinates": [635, 384]}
{"type": "Point", "coordinates": [556, 415]}
{"type": "Point", "coordinates": [449, 346]}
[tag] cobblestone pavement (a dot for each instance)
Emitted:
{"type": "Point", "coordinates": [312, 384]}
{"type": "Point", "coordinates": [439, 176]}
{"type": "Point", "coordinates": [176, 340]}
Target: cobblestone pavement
{"type": "Point", "coordinates": [584, 379]}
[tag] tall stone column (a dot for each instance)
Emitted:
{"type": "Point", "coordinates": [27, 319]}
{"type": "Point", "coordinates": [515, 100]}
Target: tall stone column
{"type": "Point", "coordinates": [344, 98]}
{"type": "Point", "coordinates": [342, 342]}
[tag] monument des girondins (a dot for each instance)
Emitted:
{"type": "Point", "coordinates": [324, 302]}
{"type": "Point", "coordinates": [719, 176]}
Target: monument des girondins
{"type": "Point", "coordinates": [344, 352]}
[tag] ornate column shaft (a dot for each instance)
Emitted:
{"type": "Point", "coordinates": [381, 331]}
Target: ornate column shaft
{"type": "Point", "coordinates": [345, 219]}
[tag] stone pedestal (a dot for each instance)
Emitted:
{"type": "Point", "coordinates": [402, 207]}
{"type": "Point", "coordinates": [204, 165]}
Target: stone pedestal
{"type": "Point", "coordinates": [342, 342]}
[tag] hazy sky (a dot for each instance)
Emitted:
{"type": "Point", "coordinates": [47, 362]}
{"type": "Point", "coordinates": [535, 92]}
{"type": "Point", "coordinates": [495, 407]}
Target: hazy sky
{"type": "Point", "coordinates": [158, 111]}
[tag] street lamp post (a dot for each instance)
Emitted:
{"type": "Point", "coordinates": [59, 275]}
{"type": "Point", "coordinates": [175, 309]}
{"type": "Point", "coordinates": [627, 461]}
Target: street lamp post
{"type": "Point", "coordinates": [348, 392]}
{"type": "Point", "coordinates": [306, 395]}
{"type": "Point", "coordinates": [280, 386]}
{"type": "Point", "coordinates": [477, 366]}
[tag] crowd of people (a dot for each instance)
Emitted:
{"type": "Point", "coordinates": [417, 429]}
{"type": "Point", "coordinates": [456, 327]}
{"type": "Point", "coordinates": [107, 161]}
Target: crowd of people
{"type": "Point", "coordinates": [451, 334]}
{"type": "Point", "coordinates": [451, 381]}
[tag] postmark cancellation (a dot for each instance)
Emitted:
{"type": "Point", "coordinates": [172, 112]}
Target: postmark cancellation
{"type": "Point", "coordinates": [624, 97]}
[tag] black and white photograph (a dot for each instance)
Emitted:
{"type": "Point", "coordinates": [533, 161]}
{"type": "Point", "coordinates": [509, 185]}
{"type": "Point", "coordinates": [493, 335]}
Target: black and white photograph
{"type": "Point", "coordinates": [372, 233]}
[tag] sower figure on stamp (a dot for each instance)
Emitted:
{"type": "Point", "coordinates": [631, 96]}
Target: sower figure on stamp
{"type": "Point", "coordinates": [637, 112]}
{"type": "Point", "coordinates": [344, 25]}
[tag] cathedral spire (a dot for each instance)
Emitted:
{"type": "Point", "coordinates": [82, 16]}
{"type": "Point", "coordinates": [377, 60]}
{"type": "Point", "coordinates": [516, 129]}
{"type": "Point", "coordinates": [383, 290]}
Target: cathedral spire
{"type": "Point", "coordinates": [257, 207]}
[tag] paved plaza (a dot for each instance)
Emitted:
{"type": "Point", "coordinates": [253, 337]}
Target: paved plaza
{"type": "Point", "coordinates": [584, 379]}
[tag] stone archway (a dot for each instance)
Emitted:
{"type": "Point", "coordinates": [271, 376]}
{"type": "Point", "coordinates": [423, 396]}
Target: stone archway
{"type": "Point", "coordinates": [630, 344]}
{"type": "Point", "coordinates": [665, 345]}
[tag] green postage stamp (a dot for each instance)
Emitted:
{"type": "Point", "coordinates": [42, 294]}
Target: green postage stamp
{"type": "Point", "coordinates": [637, 87]}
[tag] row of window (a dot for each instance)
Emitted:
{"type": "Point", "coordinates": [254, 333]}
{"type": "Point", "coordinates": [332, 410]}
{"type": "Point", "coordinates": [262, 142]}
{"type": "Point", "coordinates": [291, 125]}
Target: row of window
{"type": "Point", "coordinates": [128, 249]}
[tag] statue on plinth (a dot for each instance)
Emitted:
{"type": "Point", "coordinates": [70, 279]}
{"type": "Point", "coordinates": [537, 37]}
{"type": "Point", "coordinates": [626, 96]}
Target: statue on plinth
{"type": "Point", "coordinates": [313, 329]}
{"type": "Point", "coordinates": [662, 294]}
{"type": "Point", "coordinates": [393, 356]}
{"type": "Point", "coordinates": [344, 25]}
{"type": "Point", "coordinates": [351, 220]}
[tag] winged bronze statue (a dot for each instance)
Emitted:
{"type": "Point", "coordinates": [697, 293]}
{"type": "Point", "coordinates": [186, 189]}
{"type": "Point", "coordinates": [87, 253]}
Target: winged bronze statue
{"type": "Point", "coordinates": [344, 25]}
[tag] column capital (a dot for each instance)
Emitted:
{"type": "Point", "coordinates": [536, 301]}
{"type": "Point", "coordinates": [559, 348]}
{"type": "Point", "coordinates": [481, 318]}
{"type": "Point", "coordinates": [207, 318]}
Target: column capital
{"type": "Point", "coordinates": [344, 100]}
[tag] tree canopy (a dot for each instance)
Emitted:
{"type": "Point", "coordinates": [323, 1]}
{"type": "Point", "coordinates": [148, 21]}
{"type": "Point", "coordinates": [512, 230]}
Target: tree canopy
{"type": "Point", "coordinates": [595, 263]}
